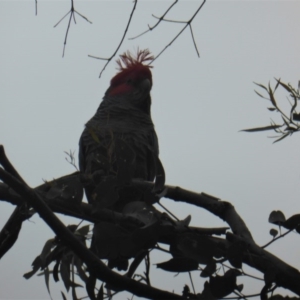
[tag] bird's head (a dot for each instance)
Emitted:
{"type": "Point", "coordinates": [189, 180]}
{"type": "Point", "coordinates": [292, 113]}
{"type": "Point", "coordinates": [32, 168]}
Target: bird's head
{"type": "Point", "coordinates": [134, 76]}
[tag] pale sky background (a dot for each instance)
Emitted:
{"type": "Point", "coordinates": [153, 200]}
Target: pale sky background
{"type": "Point", "coordinates": [199, 106]}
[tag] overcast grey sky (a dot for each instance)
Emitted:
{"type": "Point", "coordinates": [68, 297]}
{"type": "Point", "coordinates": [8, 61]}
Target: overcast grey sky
{"type": "Point", "coordinates": [199, 106]}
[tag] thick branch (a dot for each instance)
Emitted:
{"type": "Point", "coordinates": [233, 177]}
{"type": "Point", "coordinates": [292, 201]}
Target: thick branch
{"type": "Point", "coordinates": [95, 266]}
{"type": "Point", "coordinates": [83, 210]}
{"type": "Point", "coordinates": [279, 272]}
{"type": "Point", "coordinates": [274, 268]}
{"type": "Point", "coordinates": [10, 232]}
{"type": "Point", "coordinates": [222, 209]}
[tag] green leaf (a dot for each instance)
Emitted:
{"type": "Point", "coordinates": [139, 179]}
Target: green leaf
{"type": "Point", "coordinates": [36, 264]}
{"type": "Point", "coordinates": [65, 272]}
{"type": "Point", "coordinates": [272, 98]}
{"type": "Point", "coordinates": [282, 137]}
{"type": "Point", "coordinates": [79, 267]}
{"type": "Point", "coordinates": [276, 86]}
{"type": "Point", "coordinates": [273, 232]}
{"type": "Point", "coordinates": [285, 120]}
{"type": "Point", "coordinates": [293, 222]}
{"type": "Point", "coordinates": [209, 270]}
{"type": "Point", "coordinates": [276, 217]}
{"type": "Point", "coordinates": [55, 271]}
{"type": "Point", "coordinates": [100, 295]}
{"type": "Point", "coordinates": [179, 264]}
{"type": "Point", "coordinates": [90, 287]}
{"type": "Point", "coordinates": [286, 87]}
{"type": "Point", "coordinates": [296, 117]}
{"type": "Point", "coordinates": [221, 286]}
{"type": "Point", "coordinates": [46, 250]}
{"type": "Point", "coordinates": [83, 231]}
{"type": "Point", "coordinates": [260, 95]}
{"type": "Point", "coordinates": [240, 287]}
{"type": "Point", "coordinates": [269, 127]}
{"type": "Point", "coordinates": [185, 222]}
{"type": "Point", "coordinates": [262, 86]}
{"type": "Point", "coordinates": [47, 276]}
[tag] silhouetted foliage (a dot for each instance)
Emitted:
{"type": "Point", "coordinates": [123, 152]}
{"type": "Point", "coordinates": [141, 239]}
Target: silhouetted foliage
{"type": "Point", "coordinates": [290, 119]}
{"type": "Point", "coordinates": [125, 239]}
{"type": "Point", "coordinates": [103, 256]}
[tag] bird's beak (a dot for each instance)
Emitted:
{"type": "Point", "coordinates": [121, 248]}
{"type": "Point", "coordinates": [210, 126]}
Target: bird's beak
{"type": "Point", "coordinates": [146, 85]}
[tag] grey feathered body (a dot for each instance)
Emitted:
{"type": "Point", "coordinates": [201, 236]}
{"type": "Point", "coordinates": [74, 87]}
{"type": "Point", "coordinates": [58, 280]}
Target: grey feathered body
{"type": "Point", "coordinates": [127, 119]}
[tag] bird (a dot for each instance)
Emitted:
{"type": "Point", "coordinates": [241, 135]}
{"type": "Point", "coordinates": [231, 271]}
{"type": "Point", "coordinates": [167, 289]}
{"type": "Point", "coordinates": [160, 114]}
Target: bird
{"type": "Point", "coordinates": [119, 142]}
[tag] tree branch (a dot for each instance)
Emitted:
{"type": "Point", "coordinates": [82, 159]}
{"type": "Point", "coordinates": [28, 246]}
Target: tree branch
{"type": "Point", "coordinates": [120, 44]}
{"type": "Point", "coordinates": [274, 269]}
{"type": "Point", "coordinates": [271, 266]}
{"type": "Point", "coordinates": [95, 266]}
{"type": "Point", "coordinates": [150, 28]}
{"type": "Point", "coordinates": [72, 13]}
{"type": "Point", "coordinates": [10, 231]}
{"type": "Point", "coordinates": [222, 209]}
{"type": "Point", "coordinates": [187, 24]}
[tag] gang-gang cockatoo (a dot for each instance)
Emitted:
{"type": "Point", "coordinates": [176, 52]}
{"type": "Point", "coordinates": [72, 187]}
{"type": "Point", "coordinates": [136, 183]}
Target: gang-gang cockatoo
{"type": "Point", "coordinates": [119, 142]}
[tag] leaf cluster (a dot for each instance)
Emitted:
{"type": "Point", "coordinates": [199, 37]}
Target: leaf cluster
{"type": "Point", "coordinates": [126, 238]}
{"type": "Point", "coordinates": [290, 120]}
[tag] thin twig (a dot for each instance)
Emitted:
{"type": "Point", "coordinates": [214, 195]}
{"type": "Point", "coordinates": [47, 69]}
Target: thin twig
{"type": "Point", "coordinates": [72, 13]}
{"type": "Point", "coordinates": [71, 159]}
{"type": "Point", "coordinates": [162, 206]}
{"type": "Point", "coordinates": [277, 238]}
{"type": "Point", "coordinates": [192, 283]}
{"type": "Point", "coordinates": [147, 265]}
{"type": "Point", "coordinates": [243, 272]}
{"type": "Point", "coordinates": [195, 45]}
{"type": "Point", "coordinates": [187, 24]}
{"type": "Point", "coordinates": [160, 19]}
{"type": "Point", "coordinates": [170, 21]}
{"type": "Point", "coordinates": [120, 44]}
{"type": "Point", "coordinates": [67, 33]}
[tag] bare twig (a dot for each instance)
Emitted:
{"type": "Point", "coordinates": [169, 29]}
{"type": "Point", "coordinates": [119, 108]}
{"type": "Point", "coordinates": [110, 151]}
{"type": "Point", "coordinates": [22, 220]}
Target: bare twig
{"type": "Point", "coordinates": [147, 271]}
{"type": "Point", "coordinates": [71, 159]}
{"type": "Point", "coordinates": [157, 23]}
{"type": "Point", "coordinates": [187, 24]}
{"type": "Point", "coordinates": [195, 45]}
{"type": "Point", "coordinates": [277, 238]}
{"type": "Point", "coordinates": [168, 211]}
{"type": "Point", "coordinates": [120, 44]}
{"type": "Point", "coordinates": [192, 283]}
{"type": "Point", "coordinates": [72, 13]}
{"type": "Point", "coordinates": [244, 273]}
